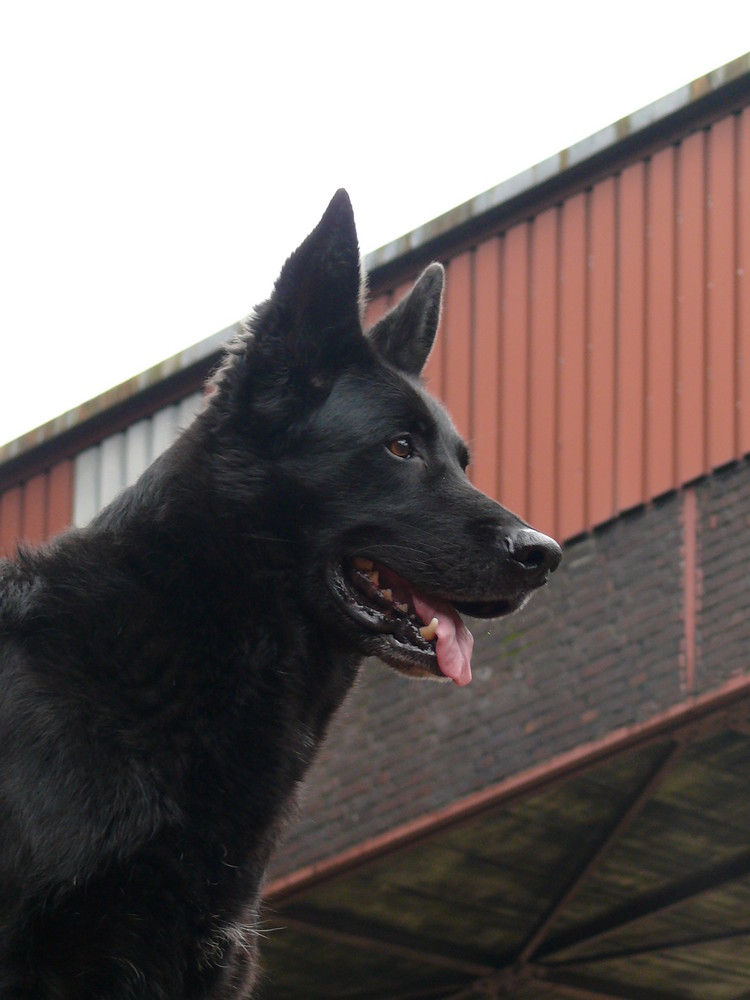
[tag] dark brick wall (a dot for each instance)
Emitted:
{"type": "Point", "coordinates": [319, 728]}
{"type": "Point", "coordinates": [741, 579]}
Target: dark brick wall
{"type": "Point", "coordinates": [723, 632]}
{"type": "Point", "coordinates": [598, 649]}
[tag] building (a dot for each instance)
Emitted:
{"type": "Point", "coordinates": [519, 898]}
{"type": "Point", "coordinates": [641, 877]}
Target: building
{"type": "Point", "coordinates": [576, 823]}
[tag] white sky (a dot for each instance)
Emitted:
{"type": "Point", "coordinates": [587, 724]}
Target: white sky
{"type": "Point", "coordinates": [160, 159]}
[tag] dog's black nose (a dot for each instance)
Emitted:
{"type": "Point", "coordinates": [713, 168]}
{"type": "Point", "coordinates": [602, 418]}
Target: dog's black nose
{"type": "Point", "coordinates": [537, 553]}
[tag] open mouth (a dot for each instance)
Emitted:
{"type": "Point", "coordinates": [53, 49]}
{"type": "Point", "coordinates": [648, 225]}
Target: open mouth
{"type": "Point", "coordinates": [419, 634]}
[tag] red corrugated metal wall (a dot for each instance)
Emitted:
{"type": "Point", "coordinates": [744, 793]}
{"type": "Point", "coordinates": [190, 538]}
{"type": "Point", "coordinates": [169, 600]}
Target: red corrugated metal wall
{"type": "Point", "coordinates": [37, 509]}
{"type": "Point", "coordinates": [596, 354]}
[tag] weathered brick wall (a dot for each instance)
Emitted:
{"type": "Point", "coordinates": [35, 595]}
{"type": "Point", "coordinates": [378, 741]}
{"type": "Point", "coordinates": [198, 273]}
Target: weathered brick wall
{"type": "Point", "coordinates": [599, 649]}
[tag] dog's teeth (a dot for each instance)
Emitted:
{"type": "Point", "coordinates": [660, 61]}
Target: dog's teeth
{"type": "Point", "coordinates": [387, 593]}
{"type": "Point", "coordinates": [374, 578]}
{"type": "Point", "coordinates": [403, 608]}
{"type": "Point", "coordinates": [429, 631]}
{"type": "Point", "coordinates": [364, 564]}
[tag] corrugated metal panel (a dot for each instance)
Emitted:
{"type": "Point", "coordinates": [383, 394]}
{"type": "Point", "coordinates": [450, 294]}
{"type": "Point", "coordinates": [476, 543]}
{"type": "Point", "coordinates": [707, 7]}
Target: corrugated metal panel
{"type": "Point", "coordinates": [743, 282]}
{"type": "Point", "coordinates": [660, 322]}
{"type": "Point", "coordinates": [34, 510]}
{"type": "Point", "coordinates": [137, 449]}
{"type": "Point", "coordinates": [117, 461]}
{"type": "Point", "coordinates": [721, 281]}
{"type": "Point", "coordinates": [59, 498]}
{"type": "Point", "coordinates": [513, 385]}
{"type": "Point", "coordinates": [86, 501]}
{"type": "Point", "coordinates": [630, 347]}
{"type": "Point", "coordinates": [690, 443]}
{"type": "Point", "coordinates": [10, 519]}
{"type": "Point", "coordinates": [111, 468]}
{"type": "Point", "coordinates": [571, 430]}
{"type": "Point", "coordinates": [485, 408]}
{"type": "Point", "coordinates": [600, 354]}
{"type": "Point", "coordinates": [456, 337]}
{"type": "Point", "coordinates": [542, 360]}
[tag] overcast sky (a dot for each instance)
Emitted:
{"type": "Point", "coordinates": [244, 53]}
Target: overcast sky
{"type": "Point", "coordinates": [161, 159]}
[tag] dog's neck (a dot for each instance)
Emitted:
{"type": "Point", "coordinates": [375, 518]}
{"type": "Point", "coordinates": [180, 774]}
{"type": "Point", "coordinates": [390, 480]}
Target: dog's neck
{"type": "Point", "coordinates": [236, 567]}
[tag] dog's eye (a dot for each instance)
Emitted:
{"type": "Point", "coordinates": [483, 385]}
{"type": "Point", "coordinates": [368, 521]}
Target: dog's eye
{"type": "Point", "coordinates": [401, 447]}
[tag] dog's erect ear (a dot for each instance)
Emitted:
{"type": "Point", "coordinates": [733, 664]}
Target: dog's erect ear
{"type": "Point", "coordinates": [405, 335]}
{"type": "Point", "coordinates": [297, 342]}
{"type": "Point", "coordinates": [318, 289]}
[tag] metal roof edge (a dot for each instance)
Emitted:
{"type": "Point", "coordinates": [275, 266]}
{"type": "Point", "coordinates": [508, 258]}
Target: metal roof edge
{"type": "Point", "coordinates": [178, 367]}
{"type": "Point", "coordinates": [415, 244]}
{"type": "Point", "coordinates": [690, 97]}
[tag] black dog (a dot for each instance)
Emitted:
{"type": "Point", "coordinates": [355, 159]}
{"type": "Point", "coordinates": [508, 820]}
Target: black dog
{"type": "Point", "coordinates": [167, 672]}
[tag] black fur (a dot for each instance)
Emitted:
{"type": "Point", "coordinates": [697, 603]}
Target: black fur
{"type": "Point", "coordinates": [167, 672]}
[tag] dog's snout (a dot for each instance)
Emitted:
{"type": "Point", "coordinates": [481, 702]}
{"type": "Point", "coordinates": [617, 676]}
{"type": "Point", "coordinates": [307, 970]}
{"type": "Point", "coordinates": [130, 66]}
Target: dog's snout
{"type": "Point", "coordinates": [535, 552]}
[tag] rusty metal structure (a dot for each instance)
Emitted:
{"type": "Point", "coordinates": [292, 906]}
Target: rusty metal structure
{"type": "Point", "coordinates": [576, 824]}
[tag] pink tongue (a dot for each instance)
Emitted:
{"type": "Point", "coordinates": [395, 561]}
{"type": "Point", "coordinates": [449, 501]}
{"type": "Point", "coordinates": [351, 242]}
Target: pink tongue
{"type": "Point", "coordinates": [454, 640]}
